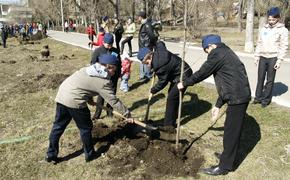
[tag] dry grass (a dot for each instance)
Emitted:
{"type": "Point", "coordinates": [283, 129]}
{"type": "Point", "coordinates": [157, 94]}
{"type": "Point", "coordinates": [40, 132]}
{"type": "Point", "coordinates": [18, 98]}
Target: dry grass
{"type": "Point", "coordinates": [31, 113]}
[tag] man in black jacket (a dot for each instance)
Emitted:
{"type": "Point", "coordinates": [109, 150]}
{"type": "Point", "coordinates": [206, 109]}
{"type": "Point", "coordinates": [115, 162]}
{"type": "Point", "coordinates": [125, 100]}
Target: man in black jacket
{"type": "Point", "coordinates": [233, 88]}
{"type": "Point", "coordinates": [4, 35]}
{"type": "Point", "coordinates": [146, 38]}
{"type": "Point", "coordinates": [167, 67]}
{"type": "Point", "coordinates": [106, 48]}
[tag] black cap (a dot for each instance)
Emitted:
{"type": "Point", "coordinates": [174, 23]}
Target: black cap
{"type": "Point", "coordinates": [142, 14]}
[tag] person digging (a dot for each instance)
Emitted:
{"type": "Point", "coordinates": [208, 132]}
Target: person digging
{"type": "Point", "coordinates": [72, 98]}
{"type": "Point", "coordinates": [167, 67]}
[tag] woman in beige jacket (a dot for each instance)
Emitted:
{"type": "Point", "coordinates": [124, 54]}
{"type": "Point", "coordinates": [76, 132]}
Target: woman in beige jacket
{"type": "Point", "coordinates": [129, 33]}
{"type": "Point", "coordinates": [270, 51]}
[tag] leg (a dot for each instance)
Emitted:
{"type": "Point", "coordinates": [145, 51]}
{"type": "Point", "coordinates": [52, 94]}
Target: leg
{"type": "Point", "coordinates": [100, 103]}
{"type": "Point", "coordinates": [232, 131]}
{"type": "Point", "coordinates": [271, 73]}
{"type": "Point", "coordinates": [130, 45]}
{"type": "Point", "coordinates": [261, 78]}
{"type": "Point", "coordinates": [83, 121]}
{"type": "Point", "coordinates": [141, 71]}
{"type": "Point", "coordinates": [62, 119]}
{"type": "Point", "coordinates": [118, 39]}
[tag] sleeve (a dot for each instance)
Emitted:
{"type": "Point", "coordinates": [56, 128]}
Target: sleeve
{"type": "Point", "coordinates": [150, 31]}
{"type": "Point", "coordinates": [207, 69]}
{"type": "Point", "coordinates": [257, 53]}
{"type": "Point", "coordinates": [162, 75]}
{"type": "Point", "coordinates": [107, 92]}
{"type": "Point", "coordinates": [219, 103]}
{"type": "Point", "coordinates": [283, 45]}
{"type": "Point", "coordinates": [95, 58]}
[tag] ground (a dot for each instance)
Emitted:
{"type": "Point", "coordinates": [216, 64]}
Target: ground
{"type": "Point", "coordinates": [28, 87]}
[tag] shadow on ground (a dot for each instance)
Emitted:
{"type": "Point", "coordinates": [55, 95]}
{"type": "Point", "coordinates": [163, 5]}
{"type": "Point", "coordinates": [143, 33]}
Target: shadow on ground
{"type": "Point", "coordinates": [279, 89]}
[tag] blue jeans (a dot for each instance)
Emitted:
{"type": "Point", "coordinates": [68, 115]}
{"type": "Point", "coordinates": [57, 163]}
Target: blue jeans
{"type": "Point", "coordinates": [63, 117]}
{"type": "Point", "coordinates": [145, 71]}
{"type": "Point", "coordinates": [124, 83]}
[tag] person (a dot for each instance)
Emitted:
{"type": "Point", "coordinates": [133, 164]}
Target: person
{"type": "Point", "coordinates": [71, 102]}
{"type": "Point", "coordinates": [233, 88]}
{"type": "Point", "coordinates": [146, 38]}
{"type": "Point", "coordinates": [66, 26]}
{"type": "Point", "coordinates": [4, 35]}
{"type": "Point", "coordinates": [129, 33]}
{"type": "Point", "coordinates": [100, 38]}
{"type": "Point", "coordinates": [167, 67]}
{"type": "Point", "coordinates": [125, 72]}
{"type": "Point", "coordinates": [106, 48]}
{"type": "Point", "coordinates": [91, 33]}
{"type": "Point", "coordinates": [118, 32]}
{"type": "Point", "coordinates": [270, 51]}
{"type": "Point", "coordinates": [105, 24]}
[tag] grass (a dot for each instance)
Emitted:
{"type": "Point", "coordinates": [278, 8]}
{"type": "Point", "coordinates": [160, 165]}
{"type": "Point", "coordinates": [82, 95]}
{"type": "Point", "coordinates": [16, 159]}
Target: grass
{"type": "Point", "coordinates": [28, 107]}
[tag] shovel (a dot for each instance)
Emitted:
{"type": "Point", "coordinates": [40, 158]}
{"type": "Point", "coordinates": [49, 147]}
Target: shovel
{"type": "Point", "coordinates": [149, 99]}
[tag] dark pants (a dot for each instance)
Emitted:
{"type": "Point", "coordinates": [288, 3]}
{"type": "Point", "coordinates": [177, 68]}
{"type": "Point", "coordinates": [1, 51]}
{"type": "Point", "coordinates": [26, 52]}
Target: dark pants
{"type": "Point", "coordinates": [235, 115]}
{"type": "Point", "coordinates": [4, 42]}
{"type": "Point", "coordinates": [127, 40]}
{"type": "Point", "coordinates": [118, 39]}
{"type": "Point", "coordinates": [100, 100]}
{"type": "Point", "coordinates": [63, 117]}
{"type": "Point", "coordinates": [264, 91]}
{"type": "Point", "coordinates": [91, 38]}
{"type": "Point", "coordinates": [172, 104]}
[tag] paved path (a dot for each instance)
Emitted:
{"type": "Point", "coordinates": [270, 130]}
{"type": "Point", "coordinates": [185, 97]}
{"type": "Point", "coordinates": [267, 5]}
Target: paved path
{"type": "Point", "coordinates": [195, 57]}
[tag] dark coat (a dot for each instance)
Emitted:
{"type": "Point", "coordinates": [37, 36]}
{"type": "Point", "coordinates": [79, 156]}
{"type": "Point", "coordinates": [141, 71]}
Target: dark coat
{"type": "Point", "coordinates": [167, 67]}
{"type": "Point", "coordinates": [118, 30]}
{"type": "Point", "coordinates": [229, 73]}
{"type": "Point", "coordinates": [146, 35]}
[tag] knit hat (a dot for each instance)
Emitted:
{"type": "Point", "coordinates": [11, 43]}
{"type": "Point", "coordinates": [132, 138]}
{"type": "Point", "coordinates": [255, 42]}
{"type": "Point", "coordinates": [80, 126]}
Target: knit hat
{"type": "Point", "coordinates": [142, 53]}
{"type": "Point", "coordinates": [274, 11]}
{"type": "Point", "coordinates": [101, 29]}
{"type": "Point", "coordinates": [108, 38]}
{"type": "Point", "coordinates": [142, 14]}
{"type": "Point", "coordinates": [105, 18]}
{"type": "Point", "coordinates": [210, 39]}
{"type": "Point", "coordinates": [108, 59]}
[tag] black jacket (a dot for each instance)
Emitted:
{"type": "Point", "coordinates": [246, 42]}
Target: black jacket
{"type": "Point", "coordinates": [118, 30]}
{"type": "Point", "coordinates": [229, 73]}
{"type": "Point", "coordinates": [167, 67]}
{"type": "Point", "coordinates": [146, 35]}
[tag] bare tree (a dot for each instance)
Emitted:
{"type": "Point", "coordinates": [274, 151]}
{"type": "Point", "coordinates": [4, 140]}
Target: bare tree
{"type": "Point", "coordinates": [240, 18]}
{"type": "Point", "coordinates": [213, 4]}
{"type": "Point", "coordinates": [249, 42]}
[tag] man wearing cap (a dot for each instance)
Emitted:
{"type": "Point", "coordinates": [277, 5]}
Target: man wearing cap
{"type": "Point", "coordinates": [146, 38]}
{"type": "Point", "coordinates": [270, 51]}
{"type": "Point", "coordinates": [167, 67]}
{"type": "Point", "coordinates": [71, 103]}
{"type": "Point", "coordinates": [233, 89]}
{"type": "Point", "coordinates": [106, 48]}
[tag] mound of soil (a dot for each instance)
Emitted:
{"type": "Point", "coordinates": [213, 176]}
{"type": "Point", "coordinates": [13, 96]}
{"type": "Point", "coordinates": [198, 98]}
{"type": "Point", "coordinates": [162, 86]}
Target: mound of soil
{"type": "Point", "coordinates": [39, 82]}
{"type": "Point", "coordinates": [128, 153]}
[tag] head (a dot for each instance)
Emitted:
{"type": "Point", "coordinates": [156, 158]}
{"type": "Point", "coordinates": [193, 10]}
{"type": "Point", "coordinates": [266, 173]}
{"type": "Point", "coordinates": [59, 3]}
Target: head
{"type": "Point", "coordinates": [108, 40]}
{"type": "Point", "coordinates": [273, 15]}
{"type": "Point", "coordinates": [129, 20]}
{"type": "Point", "coordinates": [116, 21]}
{"type": "Point", "coordinates": [110, 62]}
{"type": "Point", "coordinates": [145, 55]}
{"type": "Point", "coordinates": [141, 16]}
{"type": "Point", "coordinates": [105, 19]}
{"type": "Point", "coordinates": [209, 42]}
{"type": "Point", "coordinates": [101, 30]}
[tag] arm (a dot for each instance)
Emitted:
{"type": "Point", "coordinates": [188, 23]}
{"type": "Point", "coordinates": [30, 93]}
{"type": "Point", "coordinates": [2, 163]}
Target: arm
{"type": "Point", "coordinates": [95, 57]}
{"type": "Point", "coordinates": [162, 75]}
{"type": "Point", "coordinates": [258, 48]}
{"type": "Point", "coordinates": [283, 45]}
{"type": "Point", "coordinates": [219, 103]}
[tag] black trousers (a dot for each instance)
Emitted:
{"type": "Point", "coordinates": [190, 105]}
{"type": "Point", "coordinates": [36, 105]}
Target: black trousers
{"type": "Point", "coordinates": [63, 117]}
{"type": "Point", "coordinates": [265, 69]}
{"type": "Point", "coordinates": [118, 39]}
{"type": "Point", "coordinates": [172, 104]}
{"type": "Point", "coordinates": [4, 42]}
{"type": "Point", "coordinates": [127, 40]}
{"type": "Point", "coordinates": [235, 115]}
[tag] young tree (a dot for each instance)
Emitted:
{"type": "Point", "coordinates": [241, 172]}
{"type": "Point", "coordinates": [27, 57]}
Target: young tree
{"type": "Point", "coordinates": [249, 42]}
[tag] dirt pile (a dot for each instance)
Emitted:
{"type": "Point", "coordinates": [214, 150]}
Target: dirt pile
{"type": "Point", "coordinates": [127, 153]}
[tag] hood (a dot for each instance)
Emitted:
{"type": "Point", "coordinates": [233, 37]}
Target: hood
{"type": "Point", "coordinates": [277, 25]}
{"type": "Point", "coordinates": [97, 70]}
{"type": "Point", "coordinates": [161, 56]}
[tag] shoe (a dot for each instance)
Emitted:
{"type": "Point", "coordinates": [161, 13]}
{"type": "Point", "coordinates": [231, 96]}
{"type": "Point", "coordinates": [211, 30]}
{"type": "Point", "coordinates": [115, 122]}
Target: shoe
{"type": "Point", "coordinates": [52, 159]}
{"type": "Point", "coordinates": [256, 102]}
{"type": "Point", "coordinates": [92, 157]}
{"type": "Point", "coordinates": [217, 155]}
{"type": "Point", "coordinates": [214, 171]}
{"type": "Point", "coordinates": [168, 129]}
{"type": "Point", "coordinates": [264, 105]}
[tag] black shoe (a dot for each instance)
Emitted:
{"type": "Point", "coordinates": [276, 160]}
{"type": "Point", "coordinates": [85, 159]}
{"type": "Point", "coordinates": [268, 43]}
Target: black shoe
{"type": "Point", "coordinates": [92, 157]}
{"type": "Point", "coordinates": [52, 159]}
{"type": "Point", "coordinates": [217, 155]}
{"type": "Point", "coordinates": [256, 102]}
{"type": "Point", "coordinates": [214, 171]}
{"type": "Point", "coordinates": [168, 129]}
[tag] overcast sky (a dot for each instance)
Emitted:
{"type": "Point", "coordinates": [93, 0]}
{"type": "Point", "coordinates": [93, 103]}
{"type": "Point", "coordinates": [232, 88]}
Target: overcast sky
{"type": "Point", "coordinates": [9, 1]}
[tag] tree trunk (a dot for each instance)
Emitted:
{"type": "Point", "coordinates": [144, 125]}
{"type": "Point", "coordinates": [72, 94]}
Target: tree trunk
{"type": "Point", "coordinates": [240, 26]}
{"type": "Point", "coordinates": [172, 13]}
{"type": "Point", "coordinates": [249, 43]}
{"type": "Point", "coordinates": [145, 6]}
{"type": "Point", "coordinates": [133, 8]}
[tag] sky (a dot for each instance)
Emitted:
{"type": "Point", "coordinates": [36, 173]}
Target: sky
{"type": "Point", "coordinates": [9, 1]}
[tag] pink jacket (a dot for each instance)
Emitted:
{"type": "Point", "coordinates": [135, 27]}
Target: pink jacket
{"type": "Point", "coordinates": [126, 66]}
{"type": "Point", "coordinates": [272, 42]}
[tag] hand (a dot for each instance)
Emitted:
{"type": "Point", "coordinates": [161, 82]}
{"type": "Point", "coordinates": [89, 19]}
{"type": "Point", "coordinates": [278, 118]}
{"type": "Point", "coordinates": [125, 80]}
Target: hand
{"type": "Point", "coordinates": [257, 61]}
{"type": "Point", "coordinates": [214, 113]}
{"type": "Point", "coordinates": [277, 65]}
{"type": "Point", "coordinates": [180, 86]}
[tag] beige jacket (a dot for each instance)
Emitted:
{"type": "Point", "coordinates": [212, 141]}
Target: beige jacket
{"type": "Point", "coordinates": [80, 87]}
{"type": "Point", "coordinates": [272, 42]}
{"type": "Point", "coordinates": [130, 30]}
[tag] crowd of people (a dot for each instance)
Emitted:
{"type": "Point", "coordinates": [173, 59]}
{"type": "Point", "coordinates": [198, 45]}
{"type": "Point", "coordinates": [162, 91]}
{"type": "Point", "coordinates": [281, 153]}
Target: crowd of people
{"type": "Point", "coordinates": [108, 64]}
